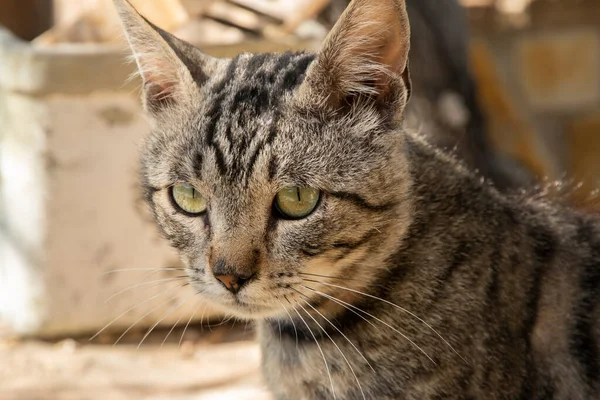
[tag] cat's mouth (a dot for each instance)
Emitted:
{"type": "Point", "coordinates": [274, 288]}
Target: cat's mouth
{"type": "Point", "coordinates": [248, 310]}
{"type": "Point", "coordinates": [242, 305]}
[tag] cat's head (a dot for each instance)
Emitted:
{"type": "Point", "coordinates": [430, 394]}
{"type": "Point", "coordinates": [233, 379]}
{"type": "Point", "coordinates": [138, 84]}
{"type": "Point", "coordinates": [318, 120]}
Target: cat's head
{"type": "Point", "coordinates": [269, 171]}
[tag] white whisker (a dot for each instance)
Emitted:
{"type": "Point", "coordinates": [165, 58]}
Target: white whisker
{"type": "Point", "coordinates": [141, 269]}
{"type": "Point", "coordinates": [392, 328]}
{"type": "Point", "coordinates": [338, 302]}
{"type": "Point", "coordinates": [335, 344]}
{"type": "Point", "coordinates": [141, 318]}
{"type": "Point", "coordinates": [134, 307]}
{"type": "Point", "coordinates": [397, 307]}
{"type": "Point", "coordinates": [320, 350]}
{"type": "Point", "coordinates": [279, 326]}
{"type": "Point", "coordinates": [341, 333]}
{"type": "Point", "coordinates": [169, 312]}
{"type": "Point", "coordinates": [188, 323]}
{"type": "Point", "coordinates": [202, 319]}
{"type": "Point", "coordinates": [330, 277]}
{"type": "Point", "coordinates": [223, 322]}
{"type": "Point", "coordinates": [171, 331]}
{"type": "Point", "coordinates": [291, 319]}
{"type": "Point", "coordinates": [137, 285]}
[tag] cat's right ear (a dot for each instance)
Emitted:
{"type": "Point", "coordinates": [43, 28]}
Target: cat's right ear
{"type": "Point", "coordinates": [364, 59]}
{"type": "Point", "coordinates": [171, 69]}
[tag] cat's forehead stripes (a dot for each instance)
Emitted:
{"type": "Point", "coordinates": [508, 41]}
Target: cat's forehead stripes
{"type": "Point", "coordinates": [243, 108]}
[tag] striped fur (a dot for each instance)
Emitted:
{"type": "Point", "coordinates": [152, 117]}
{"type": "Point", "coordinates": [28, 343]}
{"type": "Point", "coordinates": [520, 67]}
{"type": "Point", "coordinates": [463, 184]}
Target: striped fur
{"type": "Point", "coordinates": [412, 279]}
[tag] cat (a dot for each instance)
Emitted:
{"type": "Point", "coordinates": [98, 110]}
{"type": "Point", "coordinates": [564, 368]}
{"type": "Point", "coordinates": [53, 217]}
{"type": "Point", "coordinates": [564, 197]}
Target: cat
{"type": "Point", "coordinates": [375, 265]}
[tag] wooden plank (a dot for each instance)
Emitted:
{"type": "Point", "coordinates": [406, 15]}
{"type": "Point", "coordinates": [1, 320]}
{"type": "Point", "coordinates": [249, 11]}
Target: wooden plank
{"type": "Point", "coordinates": [207, 32]}
{"type": "Point", "coordinates": [166, 14]}
{"type": "Point", "coordinates": [477, 3]}
{"type": "Point", "coordinates": [283, 10]}
{"type": "Point", "coordinates": [236, 15]}
{"type": "Point", "coordinates": [196, 8]}
{"type": "Point", "coordinates": [310, 11]}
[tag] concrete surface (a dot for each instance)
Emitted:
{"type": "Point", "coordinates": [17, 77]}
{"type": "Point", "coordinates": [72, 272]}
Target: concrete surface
{"type": "Point", "coordinates": [221, 364]}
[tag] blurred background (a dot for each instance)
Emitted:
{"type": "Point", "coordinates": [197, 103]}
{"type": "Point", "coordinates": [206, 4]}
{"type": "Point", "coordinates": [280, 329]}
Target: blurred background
{"type": "Point", "coordinates": [512, 87]}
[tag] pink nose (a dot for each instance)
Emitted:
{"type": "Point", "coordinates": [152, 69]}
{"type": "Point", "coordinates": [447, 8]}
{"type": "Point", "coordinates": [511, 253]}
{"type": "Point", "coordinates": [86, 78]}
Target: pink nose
{"type": "Point", "coordinates": [233, 283]}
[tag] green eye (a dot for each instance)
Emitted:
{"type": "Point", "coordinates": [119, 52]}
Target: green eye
{"type": "Point", "coordinates": [296, 202]}
{"type": "Point", "coordinates": [188, 199]}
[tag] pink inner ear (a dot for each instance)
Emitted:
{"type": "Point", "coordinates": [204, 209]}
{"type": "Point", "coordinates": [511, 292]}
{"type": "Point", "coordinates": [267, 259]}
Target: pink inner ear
{"type": "Point", "coordinates": [160, 80]}
{"type": "Point", "coordinates": [160, 90]}
{"type": "Point", "coordinates": [392, 54]}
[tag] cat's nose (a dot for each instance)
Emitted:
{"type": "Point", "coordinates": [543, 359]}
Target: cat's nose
{"type": "Point", "coordinates": [233, 283]}
{"type": "Point", "coordinates": [233, 276]}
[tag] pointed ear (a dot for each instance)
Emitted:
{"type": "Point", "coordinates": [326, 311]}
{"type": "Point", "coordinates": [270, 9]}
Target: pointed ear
{"type": "Point", "coordinates": [364, 57]}
{"type": "Point", "coordinates": [171, 69]}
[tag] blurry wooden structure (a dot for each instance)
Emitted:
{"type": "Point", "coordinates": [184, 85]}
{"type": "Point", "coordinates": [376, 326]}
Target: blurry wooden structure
{"type": "Point", "coordinates": [26, 18]}
{"type": "Point", "coordinates": [95, 21]}
{"type": "Point", "coordinates": [203, 22]}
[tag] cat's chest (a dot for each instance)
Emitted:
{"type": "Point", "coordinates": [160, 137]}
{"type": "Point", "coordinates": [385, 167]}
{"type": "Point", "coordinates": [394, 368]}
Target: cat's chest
{"type": "Point", "coordinates": [315, 370]}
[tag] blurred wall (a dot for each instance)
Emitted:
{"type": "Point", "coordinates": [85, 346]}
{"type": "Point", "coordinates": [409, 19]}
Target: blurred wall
{"type": "Point", "coordinates": [539, 81]}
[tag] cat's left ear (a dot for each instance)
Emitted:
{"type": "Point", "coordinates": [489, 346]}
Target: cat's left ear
{"type": "Point", "coordinates": [171, 69]}
{"type": "Point", "coordinates": [364, 58]}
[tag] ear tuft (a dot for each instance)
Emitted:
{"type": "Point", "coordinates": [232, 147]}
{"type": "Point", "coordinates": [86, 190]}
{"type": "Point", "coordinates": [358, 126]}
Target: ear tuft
{"type": "Point", "coordinates": [364, 56]}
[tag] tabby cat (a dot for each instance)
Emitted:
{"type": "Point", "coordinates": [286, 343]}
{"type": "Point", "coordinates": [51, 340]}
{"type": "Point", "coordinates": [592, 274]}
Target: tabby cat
{"type": "Point", "coordinates": [376, 266]}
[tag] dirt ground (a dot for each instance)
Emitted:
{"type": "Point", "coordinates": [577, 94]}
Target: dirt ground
{"type": "Point", "coordinates": [217, 364]}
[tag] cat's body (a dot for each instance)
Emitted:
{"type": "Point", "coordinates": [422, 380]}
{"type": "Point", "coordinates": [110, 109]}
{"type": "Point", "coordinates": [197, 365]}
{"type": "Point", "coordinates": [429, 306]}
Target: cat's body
{"type": "Point", "coordinates": [511, 284]}
{"type": "Point", "coordinates": [470, 294]}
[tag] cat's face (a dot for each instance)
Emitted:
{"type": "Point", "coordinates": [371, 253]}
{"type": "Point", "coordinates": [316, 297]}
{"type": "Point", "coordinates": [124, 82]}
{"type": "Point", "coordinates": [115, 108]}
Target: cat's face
{"type": "Point", "coordinates": [269, 171]}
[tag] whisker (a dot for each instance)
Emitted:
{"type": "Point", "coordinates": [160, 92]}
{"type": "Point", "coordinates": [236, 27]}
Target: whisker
{"type": "Point", "coordinates": [331, 277]}
{"type": "Point", "coordinates": [319, 347]}
{"type": "Point", "coordinates": [133, 308]}
{"type": "Point", "coordinates": [334, 343]}
{"type": "Point", "coordinates": [223, 322]}
{"type": "Point", "coordinates": [397, 307]}
{"type": "Point", "coordinates": [291, 319]}
{"type": "Point", "coordinates": [171, 331]}
{"type": "Point", "coordinates": [141, 318]}
{"type": "Point", "coordinates": [137, 285]}
{"type": "Point", "coordinates": [279, 326]}
{"type": "Point", "coordinates": [341, 333]}
{"type": "Point", "coordinates": [202, 319]}
{"type": "Point", "coordinates": [141, 269]}
{"type": "Point", "coordinates": [188, 323]}
{"type": "Point", "coordinates": [149, 274]}
{"type": "Point", "coordinates": [335, 300]}
{"type": "Point", "coordinates": [161, 318]}
{"type": "Point", "coordinates": [392, 328]}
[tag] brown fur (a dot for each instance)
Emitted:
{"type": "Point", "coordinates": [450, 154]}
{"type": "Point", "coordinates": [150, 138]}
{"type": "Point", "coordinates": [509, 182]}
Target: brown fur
{"type": "Point", "coordinates": [412, 279]}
